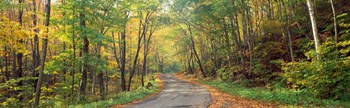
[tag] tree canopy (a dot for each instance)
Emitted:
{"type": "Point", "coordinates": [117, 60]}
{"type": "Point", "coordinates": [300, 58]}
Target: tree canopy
{"type": "Point", "coordinates": [68, 52]}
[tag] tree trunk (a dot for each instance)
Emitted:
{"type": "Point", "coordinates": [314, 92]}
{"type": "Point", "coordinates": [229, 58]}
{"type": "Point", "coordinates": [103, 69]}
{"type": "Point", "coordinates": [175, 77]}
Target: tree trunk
{"type": "Point", "coordinates": [314, 26]}
{"type": "Point", "coordinates": [290, 41]}
{"type": "Point", "coordinates": [144, 29]}
{"type": "Point", "coordinates": [20, 54]}
{"type": "Point", "coordinates": [102, 87]}
{"type": "Point", "coordinates": [144, 66]}
{"type": "Point", "coordinates": [85, 53]}
{"type": "Point", "coordinates": [35, 51]}
{"type": "Point", "coordinates": [73, 64]}
{"type": "Point", "coordinates": [122, 45]}
{"type": "Point", "coordinates": [236, 39]}
{"type": "Point", "coordinates": [120, 61]}
{"type": "Point", "coordinates": [7, 72]}
{"type": "Point", "coordinates": [334, 22]}
{"type": "Point", "coordinates": [123, 60]}
{"type": "Point", "coordinates": [270, 8]}
{"type": "Point", "coordinates": [161, 65]}
{"type": "Point", "coordinates": [14, 64]}
{"type": "Point", "coordinates": [228, 43]}
{"type": "Point", "coordinates": [146, 42]}
{"type": "Point", "coordinates": [190, 63]}
{"type": "Point", "coordinates": [44, 48]}
{"type": "Point", "coordinates": [193, 46]}
{"type": "Point", "coordinates": [106, 81]}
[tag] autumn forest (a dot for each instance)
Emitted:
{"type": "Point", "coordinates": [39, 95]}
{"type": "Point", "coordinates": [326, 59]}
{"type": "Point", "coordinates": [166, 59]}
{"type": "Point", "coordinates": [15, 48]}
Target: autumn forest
{"type": "Point", "coordinates": [110, 53]}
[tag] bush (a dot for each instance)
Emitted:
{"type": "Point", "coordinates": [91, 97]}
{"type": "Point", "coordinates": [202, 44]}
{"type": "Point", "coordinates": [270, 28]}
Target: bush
{"type": "Point", "coordinates": [230, 73]}
{"type": "Point", "coordinates": [326, 78]}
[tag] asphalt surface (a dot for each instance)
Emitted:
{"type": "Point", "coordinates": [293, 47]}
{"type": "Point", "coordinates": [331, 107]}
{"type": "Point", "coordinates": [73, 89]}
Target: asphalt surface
{"type": "Point", "coordinates": [177, 94]}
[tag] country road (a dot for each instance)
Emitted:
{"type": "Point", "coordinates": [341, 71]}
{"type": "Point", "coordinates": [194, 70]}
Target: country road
{"type": "Point", "coordinates": [177, 94]}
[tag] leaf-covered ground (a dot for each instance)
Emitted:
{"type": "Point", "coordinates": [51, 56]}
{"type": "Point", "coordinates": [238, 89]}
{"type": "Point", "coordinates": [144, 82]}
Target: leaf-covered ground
{"type": "Point", "coordinates": [224, 100]}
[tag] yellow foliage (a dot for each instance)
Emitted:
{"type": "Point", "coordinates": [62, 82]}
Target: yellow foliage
{"type": "Point", "coordinates": [12, 34]}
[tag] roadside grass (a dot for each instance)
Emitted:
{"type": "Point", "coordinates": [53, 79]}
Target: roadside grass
{"type": "Point", "coordinates": [122, 98]}
{"type": "Point", "coordinates": [283, 96]}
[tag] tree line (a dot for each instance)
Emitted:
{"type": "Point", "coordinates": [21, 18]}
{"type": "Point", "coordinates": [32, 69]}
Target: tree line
{"type": "Point", "coordinates": [76, 51]}
{"type": "Point", "coordinates": [295, 44]}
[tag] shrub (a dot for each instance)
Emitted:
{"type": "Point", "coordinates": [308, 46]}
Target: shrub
{"type": "Point", "coordinates": [325, 78]}
{"type": "Point", "coordinates": [230, 73]}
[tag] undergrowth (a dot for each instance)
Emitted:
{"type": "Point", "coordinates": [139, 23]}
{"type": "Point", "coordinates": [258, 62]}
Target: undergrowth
{"type": "Point", "coordinates": [122, 98]}
{"type": "Point", "coordinates": [280, 95]}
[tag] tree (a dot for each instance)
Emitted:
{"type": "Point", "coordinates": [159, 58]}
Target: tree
{"type": "Point", "coordinates": [123, 53]}
{"type": "Point", "coordinates": [85, 53]}
{"type": "Point", "coordinates": [310, 6]}
{"type": "Point", "coordinates": [193, 47]}
{"type": "Point", "coordinates": [74, 51]}
{"type": "Point", "coordinates": [123, 58]}
{"type": "Point", "coordinates": [334, 22]}
{"type": "Point", "coordinates": [35, 49]}
{"type": "Point", "coordinates": [142, 33]}
{"type": "Point", "coordinates": [43, 59]}
{"type": "Point", "coordinates": [19, 72]}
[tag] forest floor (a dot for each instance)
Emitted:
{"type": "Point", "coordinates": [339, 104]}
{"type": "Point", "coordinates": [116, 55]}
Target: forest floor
{"type": "Point", "coordinates": [224, 100]}
{"type": "Point", "coordinates": [177, 93]}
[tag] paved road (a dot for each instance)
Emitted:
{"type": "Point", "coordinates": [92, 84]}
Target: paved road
{"type": "Point", "coordinates": [177, 94]}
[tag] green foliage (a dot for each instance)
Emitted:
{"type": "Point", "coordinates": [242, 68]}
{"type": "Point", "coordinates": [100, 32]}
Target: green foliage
{"type": "Point", "coordinates": [328, 78]}
{"type": "Point", "coordinates": [343, 20]}
{"type": "Point", "coordinates": [230, 73]}
{"type": "Point", "coordinates": [344, 23]}
{"type": "Point", "coordinates": [11, 87]}
{"type": "Point", "coordinates": [266, 62]}
{"type": "Point", "coordinates": [172, 68]}
{"type": "Point", "coordinates": [280, 95]}
{"type": "Point", "coordinates": [11, 103]}
{"type": "Point", "coordinates": [223, 74]}
{"type": "Point", "coordinates": [223, 7]}
{"type": "Point", "coordinates": [121, 98]}
{"type": "Point", "coordinates": [4, 4]}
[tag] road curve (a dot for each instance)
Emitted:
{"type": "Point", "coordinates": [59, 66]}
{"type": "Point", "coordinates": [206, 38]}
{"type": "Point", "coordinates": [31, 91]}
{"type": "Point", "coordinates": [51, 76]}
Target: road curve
{"type": "Point", "coordinates": [177, 94]}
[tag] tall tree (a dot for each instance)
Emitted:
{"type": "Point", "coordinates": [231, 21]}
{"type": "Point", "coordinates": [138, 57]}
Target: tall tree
{"type": "Point", "coordinates": [193, 47]}
{"type": "Point", "coordinates": [310, 5]}
{"type": "Point", "coordinates": [334, 22]}
{"type": "Point", "coordinates": [19, 72]}
{"type": "Point", "coordinates": [35, 46]}
{"type": "Point", "coordinates": [85, 52]}
{"type": "Point", "coordinates": [44, 50]}
{"type": "Point", "coordinates": [141, 34]}
{"type": "Point", "coordinates": [123, 59]}
{"type": "Point", "coordinates": [122, 45]}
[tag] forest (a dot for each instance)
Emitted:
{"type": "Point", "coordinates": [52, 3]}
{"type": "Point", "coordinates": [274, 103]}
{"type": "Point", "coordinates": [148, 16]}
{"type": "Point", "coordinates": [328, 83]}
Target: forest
{"type": "Point", "coordinates": [70, 53]}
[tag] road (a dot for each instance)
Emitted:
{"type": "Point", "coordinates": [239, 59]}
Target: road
{"type": "Point", "coordinates": [177, 94]}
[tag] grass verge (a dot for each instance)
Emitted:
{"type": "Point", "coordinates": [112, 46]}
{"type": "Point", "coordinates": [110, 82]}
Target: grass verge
{"type": "Point", "coordinates": [120, 99]}
{"type": "Point", "coordinates": [284, 96]}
